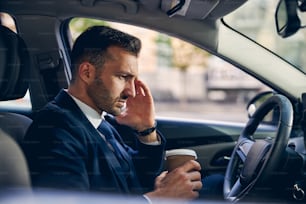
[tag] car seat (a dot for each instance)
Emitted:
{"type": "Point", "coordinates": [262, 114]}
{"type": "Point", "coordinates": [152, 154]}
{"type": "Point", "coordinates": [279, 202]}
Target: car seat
{"type": "Point", "coordinates": [14, 173]}
{"type": "Point", "coordinates": [14, 69]}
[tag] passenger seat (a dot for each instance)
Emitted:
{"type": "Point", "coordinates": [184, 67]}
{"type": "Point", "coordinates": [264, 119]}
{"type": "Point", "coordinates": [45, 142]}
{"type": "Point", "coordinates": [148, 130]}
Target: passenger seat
{"type": "Point", "coordinates": [14, 72]}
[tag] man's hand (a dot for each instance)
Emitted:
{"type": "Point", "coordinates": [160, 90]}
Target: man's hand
{"type": "Point", "coordinates": [140, 112]}
{"type": "Point", "coordinates": [183, 182]}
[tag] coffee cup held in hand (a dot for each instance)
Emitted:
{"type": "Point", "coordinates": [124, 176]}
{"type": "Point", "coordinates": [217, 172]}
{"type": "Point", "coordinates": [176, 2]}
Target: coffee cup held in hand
{"type": "Point", "coordinates": [177, 157]}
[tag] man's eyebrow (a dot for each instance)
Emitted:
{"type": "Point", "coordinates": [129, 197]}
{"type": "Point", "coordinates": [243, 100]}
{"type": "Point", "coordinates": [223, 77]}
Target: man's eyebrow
{"type": "Point", "coordinates": [129, 74]}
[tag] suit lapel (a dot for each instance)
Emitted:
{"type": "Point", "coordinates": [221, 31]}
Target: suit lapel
{"type": "Point", "coordinates": [65, 101]}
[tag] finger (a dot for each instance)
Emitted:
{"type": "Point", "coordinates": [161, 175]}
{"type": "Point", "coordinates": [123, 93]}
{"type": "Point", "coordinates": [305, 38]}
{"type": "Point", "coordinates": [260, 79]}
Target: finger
{"type": "Point", "coordinates": [144, 88]}
{"type": "Point", "coordinates": [195, 194]}
{"type": "Point", "coordinates": [197, 185]}
{"type": "Point", "coordinates": [159, 178]}
{"type": "Point", "coordinates": [191, 165]}
{"type": "Point", "coordinates": [162, 175]}
{"type": "Point", "coordinates": [194, 175]}
{"type": "Point", "coordinates": [138, 88]}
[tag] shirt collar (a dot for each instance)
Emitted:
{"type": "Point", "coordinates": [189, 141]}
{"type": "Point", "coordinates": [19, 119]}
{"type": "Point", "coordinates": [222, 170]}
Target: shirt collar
{"type": "Point", "coordinates": [93, 116]}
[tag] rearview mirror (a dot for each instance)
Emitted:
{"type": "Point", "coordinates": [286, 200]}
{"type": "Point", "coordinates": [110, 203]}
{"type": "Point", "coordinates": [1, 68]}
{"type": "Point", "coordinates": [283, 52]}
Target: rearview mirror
{"type": "Point", "coordinates": [286, 18]}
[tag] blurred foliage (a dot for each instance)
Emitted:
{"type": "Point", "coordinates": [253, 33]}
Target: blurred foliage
{"type": "Point", "coordinates": [179, 53]}
{"type": "Point", "coordinates": [164, 50]}
{"type": "Point", "coordinates": [78, 25]}
{"type": "Point", "coordinates": [185, 55]}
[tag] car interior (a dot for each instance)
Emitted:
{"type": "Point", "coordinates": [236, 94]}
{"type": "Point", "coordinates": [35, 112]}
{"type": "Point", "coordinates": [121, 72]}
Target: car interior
{"type": "Point", "coordinates": [262, 156]}
{"type": "Point", "coordinates": [15, 70]}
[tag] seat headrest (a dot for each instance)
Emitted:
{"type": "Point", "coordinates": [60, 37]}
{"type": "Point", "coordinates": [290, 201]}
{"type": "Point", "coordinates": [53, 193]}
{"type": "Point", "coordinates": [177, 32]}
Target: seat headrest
{"type": "Point", "coordinates": [14, 65]}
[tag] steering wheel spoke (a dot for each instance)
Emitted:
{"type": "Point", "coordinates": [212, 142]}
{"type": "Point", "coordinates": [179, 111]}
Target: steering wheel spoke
{"type": "Point", "coordinates": [236, 189]}
{"type": "Point", "coordinates": [243, 149]}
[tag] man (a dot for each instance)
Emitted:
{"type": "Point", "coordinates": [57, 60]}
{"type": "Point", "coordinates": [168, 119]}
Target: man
{"type": "Point", "coordinates": [72, 144]}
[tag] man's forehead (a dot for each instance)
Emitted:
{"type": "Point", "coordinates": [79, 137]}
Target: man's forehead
{"type": "Point", "coordinates": [122, 62]}
{"type": "Point", "coordinates": [119, 50]}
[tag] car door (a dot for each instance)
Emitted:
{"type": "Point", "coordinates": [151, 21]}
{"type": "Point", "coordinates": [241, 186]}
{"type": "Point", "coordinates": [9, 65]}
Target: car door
{"type": "Point", "coordinates": [212, 140]}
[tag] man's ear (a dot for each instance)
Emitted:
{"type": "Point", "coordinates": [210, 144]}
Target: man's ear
{"type": "Point", "coordinates": [86, 72]}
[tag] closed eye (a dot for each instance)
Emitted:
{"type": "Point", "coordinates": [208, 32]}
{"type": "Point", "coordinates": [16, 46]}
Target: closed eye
{"type": "Point", "coordinates": [125, 77]}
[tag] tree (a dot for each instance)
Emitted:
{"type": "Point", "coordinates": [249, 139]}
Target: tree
{"type": "Point", "coordinates": [78, 25]}
{"type": "Point", "coordinates": [186, 55]}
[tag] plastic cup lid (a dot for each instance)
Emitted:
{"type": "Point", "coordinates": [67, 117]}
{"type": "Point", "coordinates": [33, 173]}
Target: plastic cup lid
{"type": "Point", "coordinates": [173, 152]}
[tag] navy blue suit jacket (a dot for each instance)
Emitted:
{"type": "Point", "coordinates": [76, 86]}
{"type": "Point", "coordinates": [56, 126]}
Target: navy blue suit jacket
{"type": "Point", "coordinates": [64, 150]}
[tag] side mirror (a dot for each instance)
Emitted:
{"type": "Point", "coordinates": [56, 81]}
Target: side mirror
{"type": "Point", "coordinates": [256, 101]}
{"type": "Point", "coordinates": [286, 18]}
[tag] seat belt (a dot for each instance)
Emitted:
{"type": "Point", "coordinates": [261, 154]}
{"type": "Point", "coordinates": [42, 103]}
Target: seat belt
{"type": "Point", "coordinates": [50, 64]}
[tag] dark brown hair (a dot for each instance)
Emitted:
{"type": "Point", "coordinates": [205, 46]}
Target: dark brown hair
{"type": "Point", "coordinates": [93, 43]}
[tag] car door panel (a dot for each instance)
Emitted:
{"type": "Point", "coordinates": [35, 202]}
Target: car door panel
{"type": "Point", "coordinates": [213, 141]}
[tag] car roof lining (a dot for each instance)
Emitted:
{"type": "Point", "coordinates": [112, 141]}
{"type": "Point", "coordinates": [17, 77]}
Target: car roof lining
{"type": "Point", "coordinates": [124, 11]}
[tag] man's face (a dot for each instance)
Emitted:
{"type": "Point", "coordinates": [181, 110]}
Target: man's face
{"type": "Point", "coordinates": [115, 82]}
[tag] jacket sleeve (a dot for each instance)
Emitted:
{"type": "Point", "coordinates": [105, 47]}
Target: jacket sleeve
{"type": "Point", "coordinates": [56, 158]}
{"type": "Point", "coordinates": [148, 159]}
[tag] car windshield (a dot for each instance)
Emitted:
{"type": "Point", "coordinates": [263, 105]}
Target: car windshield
{"type": "Point", "coordinates": [249, 19]}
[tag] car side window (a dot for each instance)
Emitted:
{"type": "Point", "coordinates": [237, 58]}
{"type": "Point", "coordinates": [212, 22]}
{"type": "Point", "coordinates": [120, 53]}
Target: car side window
{"type": "Point", "coordinates": [186, 81]}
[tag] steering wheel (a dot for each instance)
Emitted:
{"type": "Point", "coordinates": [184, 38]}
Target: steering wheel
{"type": "Point", "coordinates": [253, 160]}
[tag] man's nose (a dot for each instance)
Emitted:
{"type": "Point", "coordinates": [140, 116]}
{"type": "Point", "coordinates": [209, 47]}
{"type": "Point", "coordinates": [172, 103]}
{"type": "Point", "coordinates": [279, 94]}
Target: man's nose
{"type": "Point", "coordinates": [130, 89]}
